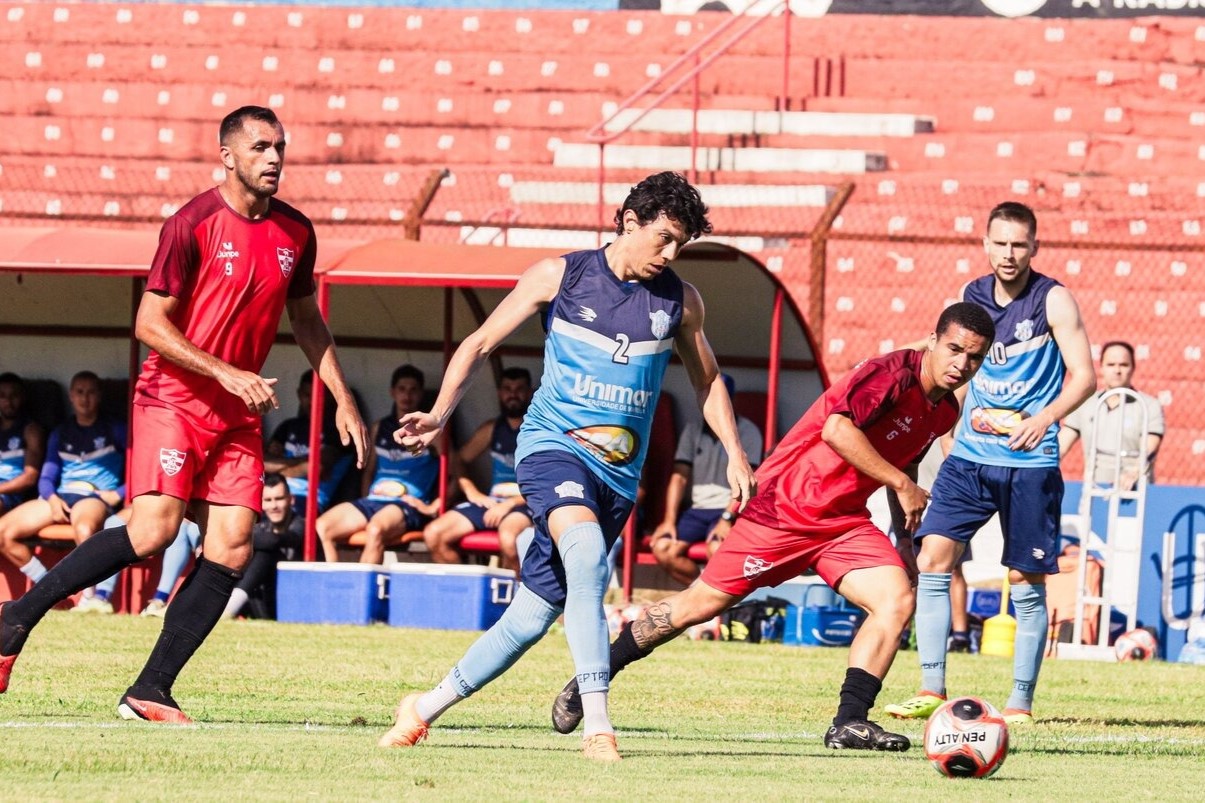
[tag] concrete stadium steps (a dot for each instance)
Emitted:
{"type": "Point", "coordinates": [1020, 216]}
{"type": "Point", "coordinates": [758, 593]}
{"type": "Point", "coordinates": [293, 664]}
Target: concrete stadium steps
{"type": "Point", "coordinates": [1102, 112]}
{"type": "Point", "coordinates": [801, 160]}
{"type": "Point", "coordinates": [732, 121]}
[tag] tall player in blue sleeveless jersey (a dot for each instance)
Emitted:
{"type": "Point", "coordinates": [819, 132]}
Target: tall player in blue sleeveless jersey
{"type": "Point", "coordinates": [1005, 458]}
{"type": "Point", "coordinates": [613, 316]}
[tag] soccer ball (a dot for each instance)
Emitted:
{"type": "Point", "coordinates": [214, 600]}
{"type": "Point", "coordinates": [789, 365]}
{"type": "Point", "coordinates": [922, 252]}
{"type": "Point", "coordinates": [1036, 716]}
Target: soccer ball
{"type": "Point", "coordinates": [1136, 645]}
{"type": "Point", "coordinates": [966, 738]}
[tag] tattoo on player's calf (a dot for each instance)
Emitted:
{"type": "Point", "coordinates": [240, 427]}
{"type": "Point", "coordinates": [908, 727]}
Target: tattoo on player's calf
{"type": "Point", "coordinates": [654, 627]}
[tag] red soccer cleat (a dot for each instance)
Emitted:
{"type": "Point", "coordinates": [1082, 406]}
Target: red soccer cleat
{"type": "Point", "coordinates": [6, 669]}
{"type": "Point", "coordinates": [151, 711]}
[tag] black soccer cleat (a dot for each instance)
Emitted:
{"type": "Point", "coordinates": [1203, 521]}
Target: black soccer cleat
{"type": "Point", "coordinates": [567, 709]}
{"type": "Point", "coordinates": [862, 734]}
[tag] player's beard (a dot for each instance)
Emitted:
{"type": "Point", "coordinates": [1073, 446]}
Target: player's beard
{"type": "Point", "coordinates": [255, 185]}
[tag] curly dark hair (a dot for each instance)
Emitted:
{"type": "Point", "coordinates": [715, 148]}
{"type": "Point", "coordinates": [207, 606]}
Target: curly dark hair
{"type": "Point", "coordinates": [672, 194]}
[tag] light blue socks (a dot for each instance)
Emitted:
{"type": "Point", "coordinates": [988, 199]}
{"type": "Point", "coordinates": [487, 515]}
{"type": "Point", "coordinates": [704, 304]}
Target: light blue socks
{"type": "Point", "coordinates": [1030, 643]}
{"type": "Point", "coordinates": [933, 629]}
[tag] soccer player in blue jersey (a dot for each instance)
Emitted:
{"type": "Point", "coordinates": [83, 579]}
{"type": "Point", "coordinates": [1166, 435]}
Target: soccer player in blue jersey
{"type": "Point", "coordinates": [22, 445]}
{"type": "Point", "coordinates": [1005, 457]}
{"type": "Point", "coordinates": [612, 317]}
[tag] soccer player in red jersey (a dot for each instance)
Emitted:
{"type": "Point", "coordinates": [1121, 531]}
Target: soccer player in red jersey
{"type": "Point", "coordinates": [810, 513]}
{"type": "Point", "coordinates": [229, 262]}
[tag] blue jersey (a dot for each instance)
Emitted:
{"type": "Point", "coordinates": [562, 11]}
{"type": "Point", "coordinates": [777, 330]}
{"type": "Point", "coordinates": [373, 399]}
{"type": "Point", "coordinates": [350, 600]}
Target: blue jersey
{"type": "Point", "coordinates": [607, 347]}
{"type": "Point", "coordinates": [398, 471]}
{"type": "Point", "coordinates": [293, 436]}
{"type": "Point", "coordinates": [83, 460]}
{"type": "Point", "coordinates": [1022, 374]}
{"type": "Point", "coordinates": [12, 450]}
{"type": "Point", "coordinates": [504, 441]}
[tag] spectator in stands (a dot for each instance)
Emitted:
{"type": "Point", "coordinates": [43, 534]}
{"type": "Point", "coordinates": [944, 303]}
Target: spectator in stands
{"type": "Point", "coordinates": [398, 486]}
{"type": "Point", "coordinates": [82, 480]}
{"type": "Point", "coordinates": [22, 446]}
{"type": "Point", "coordinates": [278, 535]}
{"type": "Point", "coordinates": [1121, 423]}
{"type": "Point", "coordinates": [503, 508]}
{"type": "Point", "coordinates": [700, 464]}
{"type": "Point", "coordinates": [288, 450]}
{"type": "Point", "coordinates": [99, 599]}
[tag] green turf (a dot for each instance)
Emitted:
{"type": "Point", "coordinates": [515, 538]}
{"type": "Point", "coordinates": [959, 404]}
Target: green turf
{"type": "Point", "coordinates": [294, 711]}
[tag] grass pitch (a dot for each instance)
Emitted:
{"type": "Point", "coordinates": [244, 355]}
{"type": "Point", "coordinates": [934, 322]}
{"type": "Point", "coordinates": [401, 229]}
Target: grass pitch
{"type": "Point", "coordinates": [291, 712]}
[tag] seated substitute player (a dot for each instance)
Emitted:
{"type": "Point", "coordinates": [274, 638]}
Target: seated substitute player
{"type": "Point", "coordinates": [699, 464]}
{"type": "Point", "coordinates": [503, 508]}
{"type": "Point", "coordinates": [22, 445]}
{"type": "Point", "coordinates": [288, 450]}
{"type": "Point", "coordinates": [397, 486]}
{"type": "Point", "coordinates": [82, 480]}
{"type": "Point", "coordinates": [810, 513]}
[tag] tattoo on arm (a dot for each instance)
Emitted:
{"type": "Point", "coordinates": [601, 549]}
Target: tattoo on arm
{"type": "Point", "coordinates": [654, 627]}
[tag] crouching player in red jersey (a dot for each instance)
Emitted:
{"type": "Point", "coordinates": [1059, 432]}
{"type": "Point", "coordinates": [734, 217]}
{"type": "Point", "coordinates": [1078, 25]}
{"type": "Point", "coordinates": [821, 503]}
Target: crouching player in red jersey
{"type": "Point", "coordinates": [810, 513]}
{"type": "Point", "coordinates": [229, 262]}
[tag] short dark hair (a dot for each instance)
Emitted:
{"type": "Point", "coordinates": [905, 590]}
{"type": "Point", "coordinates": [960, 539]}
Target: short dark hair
{"type": "Point", "coordinates": [514, 372]}
{"type": "Point", "coordinates": [1015, 212]}
{"type": "Point", "coordinates": [307, 377]}
{"type": "Point", "coordinates": [9, 378]}
{"type": "Point", "coordinates": [1103, 349]}
{"type": "Point", "coordinates": [87, 376]}
{"type": "Point", "coordinates": [969, 316]}
{"type": "Point", "coordinates": [233, 122]}
{"type": "Point", "coordinates": [672, 194]}
{"type": "Point", "coordinates": [274, 478]}
{"type": "Point", "coordinates": [407, 371]}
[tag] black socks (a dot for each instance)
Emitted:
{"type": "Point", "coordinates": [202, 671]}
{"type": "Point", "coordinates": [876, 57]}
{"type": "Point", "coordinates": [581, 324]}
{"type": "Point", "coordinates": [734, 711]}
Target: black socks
{"type": "Point", "coordinates": [858, 694]}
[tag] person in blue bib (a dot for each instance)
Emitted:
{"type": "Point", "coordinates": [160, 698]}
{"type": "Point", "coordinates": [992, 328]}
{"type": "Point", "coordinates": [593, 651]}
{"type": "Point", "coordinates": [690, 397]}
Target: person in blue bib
{"type": "Point", "coordinates": [1005, 458]}
{"type": "Point", "coordinates": [398, 486]}
{"type": "Point", "coordinates": [22, 445]}
{"type": "Point", "coordinates": [82, 480]}
{"type": "Point", "coordinates": [612, 316]}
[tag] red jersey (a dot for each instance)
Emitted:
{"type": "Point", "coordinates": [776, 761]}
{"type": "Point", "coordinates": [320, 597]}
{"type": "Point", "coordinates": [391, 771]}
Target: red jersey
{"type": "Point", "coordinates": [232, 276]}
{"type": "Point", "coordinates": [804, 484]}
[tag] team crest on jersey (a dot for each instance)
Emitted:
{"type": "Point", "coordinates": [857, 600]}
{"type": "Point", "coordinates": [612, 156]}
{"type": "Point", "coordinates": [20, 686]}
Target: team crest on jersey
{"type": "Point", "coordinates": [755, 566]}
{"type": "Point", "coordinates": [285, 257]}
{"type": "Point", "coordinates": [13, 443]}
{"type": "Point", "coordinates": [1023, 330]}
{"type": "Point", "coordinates": [171, 460]}
{"type": "Point", "coordinates": [660, 321]}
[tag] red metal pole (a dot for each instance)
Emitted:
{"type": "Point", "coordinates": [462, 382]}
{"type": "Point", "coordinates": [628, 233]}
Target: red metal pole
{"type": "Point", "coordinates": [314, 461]}
{"type": "Point", "coordinates": [772, 383]}
{"type": "Point", "coordinates": [694, 128]}
{"type": "Point", "coordinates": [602, 190]}
{"type": "Point", "coordinates": [629, 556]}
{"type": "Point", "coordinates": [786, 58]}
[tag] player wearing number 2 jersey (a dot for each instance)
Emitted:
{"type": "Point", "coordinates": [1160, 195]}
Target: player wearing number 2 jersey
{"type": "Point", "coordinates": [612, 317]}
{"type": "Point", "coordinates": [229, 262]}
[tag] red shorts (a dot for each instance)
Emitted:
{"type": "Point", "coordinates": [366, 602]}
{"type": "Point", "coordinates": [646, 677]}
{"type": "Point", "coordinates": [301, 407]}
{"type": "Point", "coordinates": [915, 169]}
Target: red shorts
{"type": "Point", "coordinates": [171, 454]}
{"type": "Point", "coordinates": [756, 556]}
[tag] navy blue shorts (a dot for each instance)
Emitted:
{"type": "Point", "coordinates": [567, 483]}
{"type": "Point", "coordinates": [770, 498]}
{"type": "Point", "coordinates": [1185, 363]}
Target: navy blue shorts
{"type": "Point", "coordinates": [1029, 500]}
{"type": "Point", "coordinates": [553, 479]}
{"type": "Point", "coordinates": [71, 500]}
{"type": "Point", "coordinates": [476, 514]}
{"type": "Point", "coordinates": [10, 501]}
{"type": "Point", "coordinates": [370, 507]}
{"type": "Point", "coordinates": [696, 523]}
